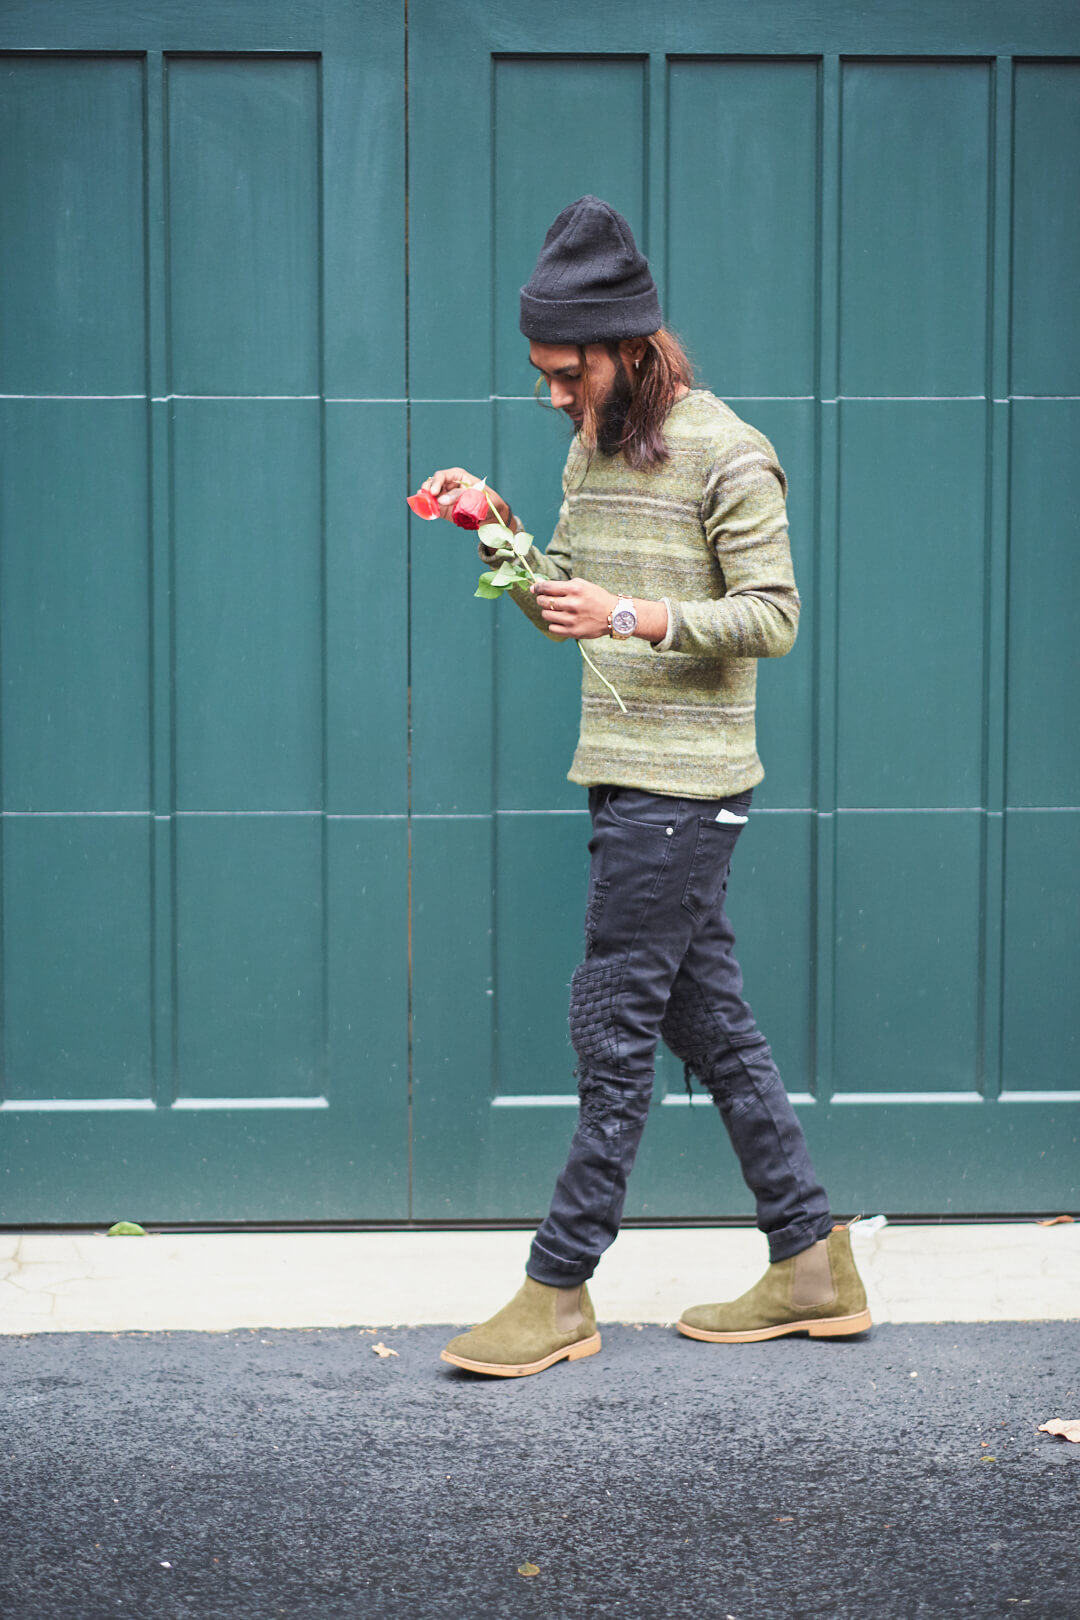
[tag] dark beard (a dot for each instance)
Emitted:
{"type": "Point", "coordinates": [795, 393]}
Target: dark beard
{"type": "Point", "coordinates": [612, 412]}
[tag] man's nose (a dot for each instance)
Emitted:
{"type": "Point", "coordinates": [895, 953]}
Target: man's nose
{"type": "Point", "coordinates": [561, 396]}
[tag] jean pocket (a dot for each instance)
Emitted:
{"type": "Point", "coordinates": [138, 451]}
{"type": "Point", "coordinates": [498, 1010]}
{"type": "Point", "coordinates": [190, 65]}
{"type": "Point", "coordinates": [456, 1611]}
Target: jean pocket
{"type": "Point", "coordinates": [634, 807]}
{"type": "Point", "coordinates": [707, 876]}
{"type": "Point", "coordinates": [735, 808]}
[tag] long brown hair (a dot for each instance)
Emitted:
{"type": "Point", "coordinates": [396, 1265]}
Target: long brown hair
{"type": "Point", "coordinates": [661, 371]}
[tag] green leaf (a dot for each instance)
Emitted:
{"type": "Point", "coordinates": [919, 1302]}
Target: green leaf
{"type": "Point", "coordinates": [508, 573]}
{"type": "Point", "coordinates": [487, 591]}
{"type": "Point", "coordinates": [126, 1229]}
{"type": "Point", "coordinates": [492, 534]}
{"type": "Point", "coordinates": [522, 543]}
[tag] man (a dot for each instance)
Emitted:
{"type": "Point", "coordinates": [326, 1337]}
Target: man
{"type": "Point", "coordinates": [671, 557]}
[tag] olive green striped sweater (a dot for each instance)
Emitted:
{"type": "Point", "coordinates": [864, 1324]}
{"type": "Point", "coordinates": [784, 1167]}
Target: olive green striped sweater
{"type": "Point", "coordinates": [707, 534]}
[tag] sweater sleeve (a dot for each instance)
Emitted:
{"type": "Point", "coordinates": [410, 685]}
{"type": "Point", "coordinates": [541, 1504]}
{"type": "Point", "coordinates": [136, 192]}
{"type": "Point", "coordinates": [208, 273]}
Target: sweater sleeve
{"type": "Point", "coordinates": [744, 516]}
{"type": "Point", "coordinates": [553, 563]}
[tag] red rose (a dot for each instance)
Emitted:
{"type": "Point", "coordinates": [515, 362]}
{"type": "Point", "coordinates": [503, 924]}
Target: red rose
{"type": "Point", "coordinates": [424, 504]}
{"type": "Point", "coordinates": [472, 509]}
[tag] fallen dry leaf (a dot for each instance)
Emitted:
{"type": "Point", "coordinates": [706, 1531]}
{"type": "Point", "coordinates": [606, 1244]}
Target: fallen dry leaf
{"type": "Point", "coordinates": [1058, 1220]}
{"type": "Point", "coordinates": [528, 1569]}
{"type": "Point", "coordinates": [1068, 1428]}
{"type": "Point", "coordinates": [382, 1350]}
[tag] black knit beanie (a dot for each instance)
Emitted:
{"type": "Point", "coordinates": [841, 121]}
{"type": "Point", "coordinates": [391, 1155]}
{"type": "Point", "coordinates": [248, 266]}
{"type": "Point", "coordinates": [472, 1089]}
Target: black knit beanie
{"type": "Point", "coordinates": [591, 282]}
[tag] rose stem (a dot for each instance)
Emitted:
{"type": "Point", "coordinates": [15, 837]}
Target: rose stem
{"type": "Point", "coordinates": [536, 580]}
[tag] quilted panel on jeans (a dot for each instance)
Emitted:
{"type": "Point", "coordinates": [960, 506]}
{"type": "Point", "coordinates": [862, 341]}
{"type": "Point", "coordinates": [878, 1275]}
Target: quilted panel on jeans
{"type": "Point", "coordinates": [593, 990]}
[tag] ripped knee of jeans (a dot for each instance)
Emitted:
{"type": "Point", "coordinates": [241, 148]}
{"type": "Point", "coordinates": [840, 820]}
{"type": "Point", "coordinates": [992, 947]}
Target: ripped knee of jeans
{"type": "Point", "coordinates": [611, 1108]}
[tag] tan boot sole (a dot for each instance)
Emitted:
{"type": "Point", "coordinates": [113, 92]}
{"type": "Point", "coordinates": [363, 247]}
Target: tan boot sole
{"type": "Point", "coordinates": [572, 1352]}
{"type": "Point", "coordinates": [827, 1327]}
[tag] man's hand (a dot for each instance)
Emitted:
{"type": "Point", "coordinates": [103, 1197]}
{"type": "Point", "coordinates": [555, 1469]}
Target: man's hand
{"type": "Point", "coordinates": [448, 484]}
{"type": "Point", "coordinates": [578, 609]}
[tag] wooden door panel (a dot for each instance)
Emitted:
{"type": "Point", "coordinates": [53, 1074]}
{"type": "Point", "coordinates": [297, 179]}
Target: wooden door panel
{"type": "Point", "coordinates": [827, 201]}
{"type": "Point", "coordinates": [204, 642]}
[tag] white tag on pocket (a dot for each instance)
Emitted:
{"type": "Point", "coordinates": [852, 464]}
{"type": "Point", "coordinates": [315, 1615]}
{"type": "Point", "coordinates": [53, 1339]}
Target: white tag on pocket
{"type": "Point", "coordinates": [726, 815]}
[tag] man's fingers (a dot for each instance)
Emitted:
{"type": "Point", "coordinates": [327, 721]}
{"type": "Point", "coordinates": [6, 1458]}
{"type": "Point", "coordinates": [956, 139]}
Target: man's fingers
{"type": "Point", "coordinates": [449, 479]}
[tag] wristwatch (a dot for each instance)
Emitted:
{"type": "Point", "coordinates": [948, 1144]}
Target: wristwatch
{"type": "Point", "coordinates": [622, 620]}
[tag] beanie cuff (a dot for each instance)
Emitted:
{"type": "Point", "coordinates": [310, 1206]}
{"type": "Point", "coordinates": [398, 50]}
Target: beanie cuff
{"type": "Point", "coordinates": [590, 320]}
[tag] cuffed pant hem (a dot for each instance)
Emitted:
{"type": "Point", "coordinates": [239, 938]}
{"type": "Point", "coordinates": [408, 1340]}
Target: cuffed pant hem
{"type": "Point", "coordinates": [793, 1240]}
{"type": "Point", "coordinates": [556, 1272]}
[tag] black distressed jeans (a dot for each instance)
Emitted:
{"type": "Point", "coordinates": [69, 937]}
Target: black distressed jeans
{"type": "Point", "coordinates": [660, 962]}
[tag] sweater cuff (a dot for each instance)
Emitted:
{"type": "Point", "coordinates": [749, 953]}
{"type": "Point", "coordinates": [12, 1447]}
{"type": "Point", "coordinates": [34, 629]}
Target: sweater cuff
{"type": "Point", "coordinates": [669, 635]}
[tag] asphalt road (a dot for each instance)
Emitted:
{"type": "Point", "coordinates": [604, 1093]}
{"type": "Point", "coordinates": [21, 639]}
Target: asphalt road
{"type": "Point", "coordinates": [251, 1475]}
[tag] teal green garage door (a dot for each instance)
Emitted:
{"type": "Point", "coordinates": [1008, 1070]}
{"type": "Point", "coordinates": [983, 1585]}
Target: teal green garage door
{"type": "Point", "coordinates": [202, 619]}
{"type": "Point", "coordinates": [292, 877]}
{"type": "Point", "coordinates": [866, 226]}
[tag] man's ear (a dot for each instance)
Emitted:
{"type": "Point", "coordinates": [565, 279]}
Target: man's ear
{"type": "Point", "coordinates": [632, 350]}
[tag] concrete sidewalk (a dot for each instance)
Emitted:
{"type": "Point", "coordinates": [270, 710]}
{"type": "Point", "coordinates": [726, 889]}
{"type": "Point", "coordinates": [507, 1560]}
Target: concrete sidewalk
{"type": "Point", "coordinates": [216, 1282]}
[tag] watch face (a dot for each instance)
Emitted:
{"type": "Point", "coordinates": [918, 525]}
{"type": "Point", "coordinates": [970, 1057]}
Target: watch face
{"type": "Point", "coordinates": [624, 622]}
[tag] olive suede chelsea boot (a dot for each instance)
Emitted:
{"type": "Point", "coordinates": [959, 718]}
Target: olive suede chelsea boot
{"type": "Point", "coordinates": [817, 1291]}
{"type": "Point", "coordinates": [541, 1325]}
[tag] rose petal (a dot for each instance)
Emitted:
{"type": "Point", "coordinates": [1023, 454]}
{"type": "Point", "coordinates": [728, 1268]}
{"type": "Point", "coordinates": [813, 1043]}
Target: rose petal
{"type": "Point", "coordinates": [424, 504]}
{"type": "Point", "coordinates": [471, 509]}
